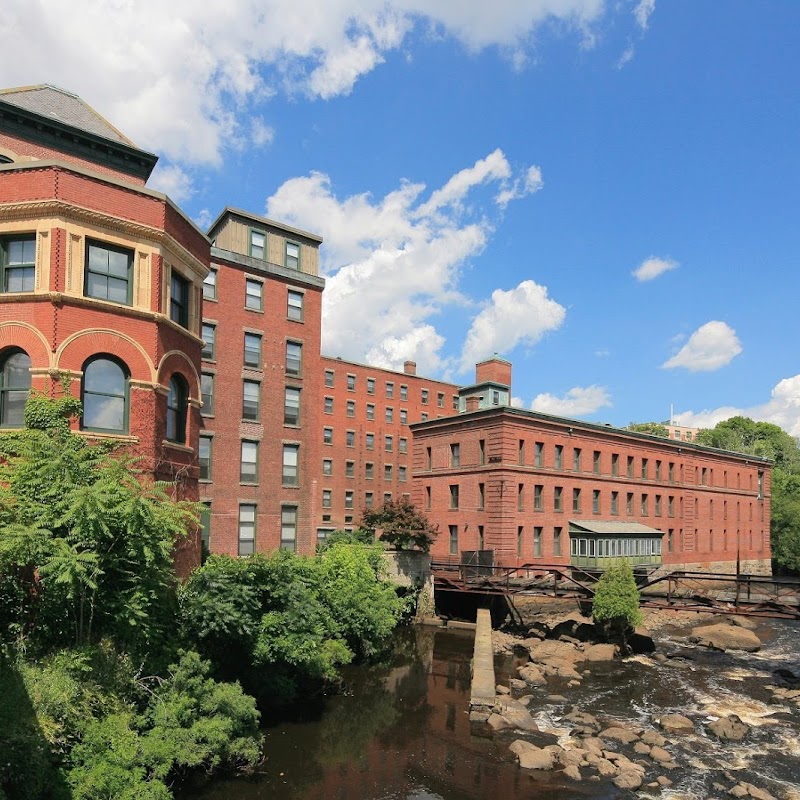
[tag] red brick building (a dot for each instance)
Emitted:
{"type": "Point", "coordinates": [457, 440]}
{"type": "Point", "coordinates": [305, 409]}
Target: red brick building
{"type": "Point", "coordinates": [537, 488]}
{"type": "Point", "coordinates": [101, 282]}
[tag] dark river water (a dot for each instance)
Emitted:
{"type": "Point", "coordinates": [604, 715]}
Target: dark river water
{"type": "Point", "coordinates": [400, 730]}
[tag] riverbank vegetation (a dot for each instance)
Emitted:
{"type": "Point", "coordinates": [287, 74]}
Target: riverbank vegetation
{"type": "Point", "coordinates": [115, 680]}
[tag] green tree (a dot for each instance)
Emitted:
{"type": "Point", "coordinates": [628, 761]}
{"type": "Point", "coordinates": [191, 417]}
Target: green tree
{"type": "Point", "coordinates": [785, 518]}
{"type": "Point", "coordinates": [86, 539]}
{"type": "Point", "coordinates": [653, 428]}
{"type": "Point", "coordinates": [400, 525]}
{"type": "Point", "coordinates": [615, 607]}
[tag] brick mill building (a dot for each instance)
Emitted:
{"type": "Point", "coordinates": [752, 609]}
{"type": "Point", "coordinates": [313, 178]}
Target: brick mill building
{"type": "Point", "coordinates": [201, 353]}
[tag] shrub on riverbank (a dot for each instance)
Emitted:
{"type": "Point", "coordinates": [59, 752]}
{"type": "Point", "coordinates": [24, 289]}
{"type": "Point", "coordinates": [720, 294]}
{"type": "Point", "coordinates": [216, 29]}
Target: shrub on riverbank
{"type": "Point", "coordinates": [615, 608]}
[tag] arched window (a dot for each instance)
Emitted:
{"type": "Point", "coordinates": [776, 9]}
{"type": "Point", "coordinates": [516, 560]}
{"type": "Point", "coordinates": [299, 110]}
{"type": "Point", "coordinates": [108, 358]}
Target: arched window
{"type": "Point", "coordinates": [105, 395]}
{"type": "Point", "coordinates": [15, 383]}
{"type": "Point", "coordinates": [177, 403]}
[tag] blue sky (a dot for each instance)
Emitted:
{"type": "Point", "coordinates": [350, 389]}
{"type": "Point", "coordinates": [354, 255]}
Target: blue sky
{"type": "Point", "coordinates": [604, 193]}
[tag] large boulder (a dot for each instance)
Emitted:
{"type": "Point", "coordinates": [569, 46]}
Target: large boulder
{"type": "Point", "coordinates": [619, 735]}
{"type": "Point", "coordinates": [599, 652]}
{"type": "Point", "coordinates": [532, 675]}
{"type": "Point", "coordinates": [629, 779]}
{"type": "Point", "coordinates": [730, 728]}
{"type": "Point", "coordinates": [515, 713]}
{"type": "Point", "coordinates": [551, 650]}
{"type": "Point", "coordinates": [726, 637]}
{"type": "Point", "coordinates": [532, 757]}
{"type": "Point", "coordinates": [676, 723]}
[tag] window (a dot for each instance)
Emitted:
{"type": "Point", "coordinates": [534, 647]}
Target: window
{"type": "Point", "coordinates": [428, 458]}
{"type": "Point", "coordinates": [370, 411]}
{"type": "Point", "coordinates": [351, 383]}
{"type": "Point", "coordinates": [179, 300]}
{"type": "Point", "coordinates": [105, 395]}
{"type": "Point", "coordinates": [521, 451]}
{"type": "Point", "coordinates": [327, 435]}
{"type": "Point", "coordinates": [761, 484]}
{"type": "Point", "coordinates": [615, 502]}
{"type": "Point", "coordinates": [326, 498]}
{"type": "Point", "coordinates": [538, 492]}
{"type": "Point", "coordinates": [209, 335]}
{"type": "Point", "coordinates": [670, 539]}
{"type": "Point", "coordinates": [538, 455]}
{"type": "Point", "coordinates": [495, 398]}
{"type": "Point", "coordinates": [251, 397]}
{"type": "Point", "coordinates": [247, 529]}
{"type": "Point", "coordinates": [630, 466]}
{"type": "Point", "coordinates": [388, 444]}
{"type": "Point", "coordinates": [454, 495]}
{"type": "Point", "coordinates": [537, 541]}
{"type": "Point", "coordinates": [248, 463]}
{"type": "Point", "coordinates": [402, 445]}
{"type": "Point", "coordinates": [671, 472]}
{"type": "Point", "coordinates": [387, 472]}
{"type": "Point", "coordinates": [559, 457]}
{"type": "Point", "coordinates": [289, 528]}
{"type": "Point", "coordinates": [370, 385]}
{"type": "Point", "coordinates": [15, 384]}
{"type": "Point", "coordinates": [615, 464]}
{"type": "Point", "coordinates": [328, 405]}
{"type": "Point", "coordinates": [403, 392]}
{"type": "Point", "coordinates": [258, 241]}
{"type": "Point", "coordinates": [329, 377]}
{"type": "Point", "coordinates": [369, 500]}
{"type": "Point", "coordinates": [557, 541]}
{"type": "Point", "coordinates": [402, 473]}
{"type": "Point", "coordinates": [291, 406]}
{"type": "Point", "coordinates": [294, 358]}
{"type": "Point", "coordinates": [348, 499]}
{"type": "Point", "coordinates": [403, 416]}
{"type": "Point", "coordinates": [205, 532]}
{"type": "Point", "coordinates": [108, 272]}
{"type": "Point", "coordinates": [327, 466]}
{"type": "Point", "coordinates": [350, 438]}
{"type": "Point", "coordinates": [292, 255]}
{"type": "Point", "coordinates": [290, 464]}
{"type": "Point", "coordinates": [206, 393]}
{"type": "Point", "coordinates": [252, 350]}
{"type": "Point", "coordinates": [455, 455]}
{"type": "Point", "coordinates": [480, 537]}
{"type": "Point", "coordinates": [204, 457]}
{"type": "Point", "coordinates": [657, 508]}
{"type": "Point", "coordinates": [520, 497]}
{"type": "Point", "coordinates": [703, 476]}
{"type": "Point", "coordinates": [481, 495]}
{"type": "Point", "coordinates": [520, 531]}
{"type": "Point", "coordinates": [644, 505]}
{"type": "Point", "coordinates": [210, 285]}
{"type": "Point", "coordinates": [658, 470]}
{"type": "Point", "coordinates": [576, 500]}
{"type": "Point", "coordinates": [253, 295]}
{"type": "Point", "coordinates": [629, 504]}
{"type": "Point", "coordinates": [389, 390]}
{"type": "Point", "coordinates": [177, 406]}
{"type": "Point", "coordinates": [424, 396]}
{"type": "Point", "coordinates": [558, 492]}
{"type": "Point", "coordinates": [369, 441]}
{"type": "Point", "coordinates": [294, 306]}
{"type": "Point", "coordinates": [18, 263]}
{"type": "Point", "coordinates": [427, 498]}
{"type": "Point", "coordinates": [455, 402]}
{"type": "Point", "coordinates": [423, 417]}
{"type": "Point", "coordinates": [670, 506]}
{"type": "Point", "coordinates": [595, 501]}
{"type": "Point", "coordinates": [351, 408]}
{"type": "Point", "coordinates": [389, 414]}
{"type": "Point", "coordinates": [596, 462]}
{"type": "Point", "coordinates": [644, 469]}
{"type": "Point", "coordinates": [576, 459]}
{"type": "Point", "coordinates": [440, 399]}
{"type": "Point", "coordinates": [453, 540]}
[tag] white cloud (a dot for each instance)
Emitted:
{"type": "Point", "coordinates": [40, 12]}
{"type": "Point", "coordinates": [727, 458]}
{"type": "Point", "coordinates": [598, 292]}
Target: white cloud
{"type": "Point", "coordinates": [627, 56]}
{"type": "Point", "coordinates": [171, 180]}
{"type": "Point", "coordinates": [652, 267]}
{"type": "Point", "coordinates": [184, 86]}
{"type": "Point", "coordinates": [393, 263]}
{"type": "Point", "coordinates": [521, 315]}
{"type": "Point", "coordinates": [531, 182]}
{"type": "Point", "coordinates": [783, 408]}
{"type": "Point", "coordinates": [261, 134]}
{"type": "Point", "coordinates": [577, 402]}
{"type": "Point", "coordinates": [709, 348]}
{"type": "Point", "coordinates": [643, 11]}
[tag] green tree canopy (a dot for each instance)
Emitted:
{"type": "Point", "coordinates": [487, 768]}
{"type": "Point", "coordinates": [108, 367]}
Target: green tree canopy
{"type": "Point", "coordinates": [400, 524]}
{"type": "Point", "coordinates": [653, 428]}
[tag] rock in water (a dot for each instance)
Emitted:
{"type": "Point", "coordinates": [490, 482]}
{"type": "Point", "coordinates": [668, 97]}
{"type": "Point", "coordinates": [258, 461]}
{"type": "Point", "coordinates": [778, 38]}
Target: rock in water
{"type": "Point", "coordinates": [726, 637]}
{"type": "Point", "coordinates": [530, 756]}
{"type": "Point", "coordinates": [676, 723]}
{"type": "Point", "coordinates": [730, 728]}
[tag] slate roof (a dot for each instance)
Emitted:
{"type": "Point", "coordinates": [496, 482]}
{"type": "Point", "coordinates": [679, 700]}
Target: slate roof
{"type": "Point", "coordinates": [64, 107]}
{"type": "Point", "coordinates": [612, 526]}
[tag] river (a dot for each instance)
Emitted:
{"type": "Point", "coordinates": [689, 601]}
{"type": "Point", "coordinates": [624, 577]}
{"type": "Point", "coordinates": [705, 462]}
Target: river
{"type": "Point", "coordinates": [400, 730]}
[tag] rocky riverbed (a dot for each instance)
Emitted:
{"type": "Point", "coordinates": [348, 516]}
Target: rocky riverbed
{"type": "Point", "coordinates": [706, 707]}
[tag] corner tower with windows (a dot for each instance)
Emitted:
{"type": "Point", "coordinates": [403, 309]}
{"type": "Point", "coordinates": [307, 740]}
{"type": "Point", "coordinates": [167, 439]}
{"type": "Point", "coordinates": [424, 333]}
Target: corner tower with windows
{"type": "Point", "coordinates": [101, 282]}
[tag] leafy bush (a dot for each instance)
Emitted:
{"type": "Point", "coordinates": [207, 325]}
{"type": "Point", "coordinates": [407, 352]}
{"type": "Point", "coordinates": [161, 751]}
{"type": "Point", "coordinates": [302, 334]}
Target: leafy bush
{"type": "Point", "coordinates": [615, 608]}
{"type": "Point", "coordinates": [400, 525]}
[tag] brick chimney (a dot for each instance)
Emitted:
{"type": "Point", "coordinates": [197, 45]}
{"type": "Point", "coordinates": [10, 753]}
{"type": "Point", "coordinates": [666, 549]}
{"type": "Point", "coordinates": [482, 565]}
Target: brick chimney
{"type": "Point", "coordinates": [494, 370]}
{"type": "Point", "coordinates": [473, 402]}
{"type": "Point", "coordinates": [410, 367]}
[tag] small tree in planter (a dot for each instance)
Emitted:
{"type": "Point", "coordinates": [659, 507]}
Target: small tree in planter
{"type": "Point", "coordinates": [615, 608]}
{"type": "Point", "coordinates": [400, 525]}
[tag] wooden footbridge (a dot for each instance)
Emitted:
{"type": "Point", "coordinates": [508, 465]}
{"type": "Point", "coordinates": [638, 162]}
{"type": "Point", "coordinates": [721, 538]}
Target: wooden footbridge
{"type": "Point", "coordinates": [680, 590]}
